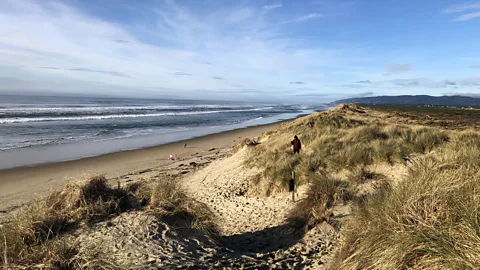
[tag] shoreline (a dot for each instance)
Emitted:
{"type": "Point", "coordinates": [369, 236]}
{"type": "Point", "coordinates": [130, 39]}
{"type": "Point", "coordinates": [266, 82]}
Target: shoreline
{"type": "Point", "coordinates": [40, 155]}
{"type": "Point", "coordinates": [20, 185]}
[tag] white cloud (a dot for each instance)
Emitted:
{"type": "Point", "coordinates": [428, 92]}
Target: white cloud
{"type": "Point", "coordinates": [63, 48]}
{"type": "Point", "coordinates": [273, 6]}
{"type": "Point", "coordinates": [61, 43]}
{"type": "Point", "coordinates": [304, 18]}
{"type": "Point", "coordinates": [462, 7]}
{"type": "Point", "coordinates": [467, 17]}
{"type": "Point", "coordinates": [310, 16]}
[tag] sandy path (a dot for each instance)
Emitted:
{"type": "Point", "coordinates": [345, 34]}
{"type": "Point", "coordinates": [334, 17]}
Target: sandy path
{"type": "Point", "coordinates": [256, 226]}
{"type": "Point", "coordinates": [223, 186]}
{"type": "Point", "coordinates": [255, 234]}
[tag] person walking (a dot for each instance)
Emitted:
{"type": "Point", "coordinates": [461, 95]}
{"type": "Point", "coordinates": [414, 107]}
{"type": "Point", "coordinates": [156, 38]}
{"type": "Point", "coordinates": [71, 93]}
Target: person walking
{"type": "Point", "coordinates": [297, 145]}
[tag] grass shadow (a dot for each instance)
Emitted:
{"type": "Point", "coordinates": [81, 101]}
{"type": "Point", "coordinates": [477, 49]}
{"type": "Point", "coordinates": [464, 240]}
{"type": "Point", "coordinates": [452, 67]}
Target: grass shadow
{"type": "Point", "coordinates": [264, 241]}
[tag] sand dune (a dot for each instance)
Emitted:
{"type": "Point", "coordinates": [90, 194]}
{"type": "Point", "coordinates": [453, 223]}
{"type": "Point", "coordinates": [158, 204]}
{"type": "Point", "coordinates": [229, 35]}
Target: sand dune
{"type": "Point", "coordinates": [254, 230]}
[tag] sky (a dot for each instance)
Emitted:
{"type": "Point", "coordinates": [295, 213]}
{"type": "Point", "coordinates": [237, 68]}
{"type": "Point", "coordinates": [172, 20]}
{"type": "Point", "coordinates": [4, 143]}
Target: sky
{"type": "Point", "coordinates": [257, 50]}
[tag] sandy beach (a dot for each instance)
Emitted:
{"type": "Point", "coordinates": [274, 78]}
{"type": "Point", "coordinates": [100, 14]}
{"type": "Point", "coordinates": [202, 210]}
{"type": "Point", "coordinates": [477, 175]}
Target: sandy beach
{"type": "Point", "coordinates": [21, 185]}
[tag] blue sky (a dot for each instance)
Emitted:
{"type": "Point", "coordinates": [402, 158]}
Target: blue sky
{"type": "Point", "coordinates": [250, 50]}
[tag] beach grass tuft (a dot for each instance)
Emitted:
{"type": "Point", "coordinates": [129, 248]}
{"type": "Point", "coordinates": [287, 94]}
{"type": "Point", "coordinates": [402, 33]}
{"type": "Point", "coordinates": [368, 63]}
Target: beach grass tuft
{"type": "Point", "coordinates": [323, 193]}
{"type": "Point", "coordinates": [429, 221]}
{"type": "Point", "coordinates": [36, 237]}
{"type": "Point", "coordinates": [169, 200]}
{"type": "Point", "coordinates": [32, 238]}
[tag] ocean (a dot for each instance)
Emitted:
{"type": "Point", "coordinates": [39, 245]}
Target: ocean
{"type": "Point", "coordinates": [36, 130]}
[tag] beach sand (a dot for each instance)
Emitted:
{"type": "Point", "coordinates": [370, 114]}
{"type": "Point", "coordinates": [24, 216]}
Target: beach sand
{"type": "Point", "coordinates": [24, 184]}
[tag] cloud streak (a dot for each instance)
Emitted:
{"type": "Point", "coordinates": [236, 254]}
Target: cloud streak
{"type": "Point", "coordinates": [181, 73]}
{"type": "Point", "coordinates": [273, 6]}
{"type": "Point", "coordinates": [467, 17]}
{"type": "Point", "coordinates": [364, 82]}
{"type": "Point", "coordinates": [462, 7]}
{"type": "Point", "coordinates": [449, 83]}
{"type": "Point", "coordinates": [120, 41]}
{"type": "Point", "coordinates": [397, 68]}
{"type": "Point", "coordinates": [360, 95]}
{"type": "Point", "coordinates": [310, 17]}
{"type": "Point", "coordinates": [312, 95]}
{"type": "Point", "coordinates": [304, 18]}
{"type": "Point", "coordinates": [111, 73]}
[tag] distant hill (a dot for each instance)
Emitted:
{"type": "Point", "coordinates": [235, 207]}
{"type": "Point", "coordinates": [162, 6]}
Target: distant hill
{"type": "Point", "coordinates": [415, 100]}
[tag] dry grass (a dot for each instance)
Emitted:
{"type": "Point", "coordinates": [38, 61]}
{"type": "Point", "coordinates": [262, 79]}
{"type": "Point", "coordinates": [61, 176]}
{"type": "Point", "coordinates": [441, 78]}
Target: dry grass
{"type": "Point", "coordinates": [324, 192]}
{"type": "Point", "coordinates": [445, 118]}
{"type": "Point", "coordinates": [169, 200]}
{"type": "Point", "coordinates": [91, 201]}
{"type": "Point", "coordinates": [32, 236]}
{"type": "Point", "coordinates": [430, 221]}
{"type": "Point", "coordinates": [361, 175]}
{"type": "Point", "coordinates": [37, 237]}
{"type": "Point", "coordinates": [337, 141]}
{"type": "Point", "coordinates": [246, 142]}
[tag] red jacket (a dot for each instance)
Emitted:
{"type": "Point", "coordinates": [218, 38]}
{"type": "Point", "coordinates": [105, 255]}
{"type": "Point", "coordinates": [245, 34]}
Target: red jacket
{"type": "Point", "coordinates": [297, 145]}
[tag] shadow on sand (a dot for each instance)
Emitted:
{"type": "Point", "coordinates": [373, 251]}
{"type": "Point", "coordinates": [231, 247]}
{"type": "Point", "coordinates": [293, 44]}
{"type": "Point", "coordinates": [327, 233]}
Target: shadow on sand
{"type": "Point", "coordinates": [264, 241]}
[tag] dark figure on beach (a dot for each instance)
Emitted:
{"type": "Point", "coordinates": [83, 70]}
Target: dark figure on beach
{"type": "Point", "coordinates": [297, 145]}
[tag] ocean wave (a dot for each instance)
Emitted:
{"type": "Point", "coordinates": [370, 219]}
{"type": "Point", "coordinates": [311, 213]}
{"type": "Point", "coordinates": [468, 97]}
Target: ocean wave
{"type": "Point", "coordinates": [136, 132]}
{"type": "Point", "coordinates": [122, 108]}
{"type": "Point", "coordinates": [91, 111]}
{"type": "Point", "coordinates": [117, 116]}
{"type": "Point", "coordinates": [39, 142]}
{"type": "Point", "coordinates": [253, 120]}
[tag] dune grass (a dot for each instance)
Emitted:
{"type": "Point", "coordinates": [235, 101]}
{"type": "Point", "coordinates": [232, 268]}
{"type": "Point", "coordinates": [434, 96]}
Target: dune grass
{"type": "Point", "coordinates": [343, 141]}
{"type": "Point", "coordinates": [430, 221]}
{"type": "Point", "coordinates": [169, 200]}
{"type": "Point", "coordinates": [323, 193]}
{"type": "Point", "coordinates": [32, 237]}
{"type": "Point", "coordinates": [335, 142]}
{"type": "Point", "coordinates": [360, 175]}
{"type": "Point", "coordinates": [37, 236]}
